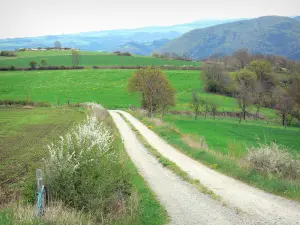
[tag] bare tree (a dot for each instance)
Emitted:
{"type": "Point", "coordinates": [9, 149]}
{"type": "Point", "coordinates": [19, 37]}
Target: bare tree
{"type": "Point", "coordinates": [245, 88]}
{"type": "Point", "coordinates": [243, 58]}
{"type": "Point", "coordinates": [284, 104]}
{"type": "Point", "coordinates": [75, 58]}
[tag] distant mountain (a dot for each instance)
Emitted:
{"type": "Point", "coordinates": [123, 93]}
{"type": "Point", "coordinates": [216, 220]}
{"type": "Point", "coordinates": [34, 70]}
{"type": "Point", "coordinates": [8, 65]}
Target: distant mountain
{"type": "Point", "coordinates": [109, 40]}
{"type": "Point", "coordinates": [267, 35]}
{"type": "Point", "coordinates": [142, 48]}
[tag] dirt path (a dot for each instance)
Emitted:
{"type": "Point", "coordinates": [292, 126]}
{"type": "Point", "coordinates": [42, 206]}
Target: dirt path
{"type": "Point", "coordinates": [184, 203]}
{"type": "Point", "coordinates": [270, 208]}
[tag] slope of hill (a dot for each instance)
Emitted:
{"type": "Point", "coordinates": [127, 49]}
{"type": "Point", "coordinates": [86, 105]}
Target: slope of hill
{"type": "Point", "coordinates": [109, 40]}
{"type": "Point", "coordinates": [267, 35]}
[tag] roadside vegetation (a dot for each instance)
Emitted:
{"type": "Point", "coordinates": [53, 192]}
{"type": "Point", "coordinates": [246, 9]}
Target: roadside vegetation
{"type": "Point", "coordinates": [194, 138]}
{"type": "Point", "coordinates": [89, 176]}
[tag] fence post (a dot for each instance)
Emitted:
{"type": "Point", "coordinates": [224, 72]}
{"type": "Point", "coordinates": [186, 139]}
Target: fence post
{"type": "Point", "coordinates": [39, 179]}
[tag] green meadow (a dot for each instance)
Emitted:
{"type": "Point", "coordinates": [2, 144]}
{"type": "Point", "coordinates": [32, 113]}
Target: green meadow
{"type": "Point", "coordinates": [88, 59]}
{"type": "Point", "coordinates": [107, 87]}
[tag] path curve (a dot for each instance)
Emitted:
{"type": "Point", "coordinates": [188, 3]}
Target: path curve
{"type": "Point", "coordinates": [273, 209]}
{"type": "Point", "coordinates": [184, 203]}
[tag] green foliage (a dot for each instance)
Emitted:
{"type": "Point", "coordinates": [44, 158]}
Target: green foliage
{"type": "Point", "coordinates": [155, 90]}
{"type": "Point", "coordinates": [261, 67]}
{"type": "Point", "coordinates": [32, 64]}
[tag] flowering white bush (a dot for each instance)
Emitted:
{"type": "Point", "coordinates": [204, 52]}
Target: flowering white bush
{"type": "Point", "coordinates": [74, 148]}
{"type": "Point", "coordinates": [274, 159]}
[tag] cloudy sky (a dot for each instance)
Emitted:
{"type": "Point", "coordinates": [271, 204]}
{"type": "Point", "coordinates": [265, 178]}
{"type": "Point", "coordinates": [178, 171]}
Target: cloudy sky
{"type": "Point", "coordinates": [23, 18]}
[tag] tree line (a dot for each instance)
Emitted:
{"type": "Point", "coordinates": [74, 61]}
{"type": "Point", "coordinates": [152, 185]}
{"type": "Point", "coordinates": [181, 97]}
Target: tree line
{"type": "Point", "coordinates": [261, 80]}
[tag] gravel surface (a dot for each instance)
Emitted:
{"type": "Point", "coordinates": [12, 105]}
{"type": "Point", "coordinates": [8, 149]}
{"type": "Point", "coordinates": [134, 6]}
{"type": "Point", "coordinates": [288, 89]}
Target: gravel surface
{"type": "Point", "coordinates": [268, 208]}
{"type": "Point", "coordinates": [184, 203]}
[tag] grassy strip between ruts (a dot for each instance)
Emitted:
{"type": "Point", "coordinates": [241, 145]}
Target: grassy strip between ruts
{"type": "Point", "coordinates": [224, 164]}
{"type": "Point", "coordinates": [173, 167]}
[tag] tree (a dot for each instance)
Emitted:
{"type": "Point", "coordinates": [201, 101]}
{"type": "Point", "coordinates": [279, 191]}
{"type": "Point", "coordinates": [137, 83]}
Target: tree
{"type": "Point", "coordinates": [32, 64]}
{"type": "Point", "coordinates": [196, 103]}
{"type": "Point", "coordinates": [243, 58]}
{"type": "Point", "coordinates": [57, 44]}
{"type": "Point", "coordinates": [156, 91]}
{"type": "Point", "coordinates": [44, 62]}
{"type": "Point", "coordinates": [284, 104]}
{"type": "Point", "coordinates": [261, 67]}
{"type": "Point", "coordinates": [215, 79]}
{"type": "Point", "coordinates": [245, 86]}
{"type": "Point", "coordinates": [75, 58]}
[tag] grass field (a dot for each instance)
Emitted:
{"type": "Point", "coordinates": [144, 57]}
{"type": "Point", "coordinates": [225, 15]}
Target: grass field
{"type": "Point", "coordinates": [230, 139]}
{"type": "Point", "coordinates": [24, 135]}
{"type": "Point", "coordinates": [64, 58]}
{"type": "Point", "coordinates": [222, 133]}
{"type": "Point", "coordinates": [105, 86]}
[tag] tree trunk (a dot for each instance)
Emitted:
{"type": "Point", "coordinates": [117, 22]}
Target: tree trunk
{"type": "Point", "coordinates": [196, 114]}
{"type": "Point", "coordinates": [283, 119]}
{"type": "Point", "coordinates": [244, 115]}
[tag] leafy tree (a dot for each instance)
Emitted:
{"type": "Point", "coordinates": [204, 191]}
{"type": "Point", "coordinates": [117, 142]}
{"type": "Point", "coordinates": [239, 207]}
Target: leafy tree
{"type": "Point", "coordinates": [261, 67]}
{"type": "Point", "coordinates": [32, 64]}
{"type": "Point", "coordinates": [196, 103]}
{"type": "Point", "coordinates": [156, 91]}
{"type": "Point", "coordinates": [44, 62]}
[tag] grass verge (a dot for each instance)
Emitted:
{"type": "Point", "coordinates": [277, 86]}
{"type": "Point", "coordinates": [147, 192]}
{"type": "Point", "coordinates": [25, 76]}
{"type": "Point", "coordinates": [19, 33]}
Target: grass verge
{"type": "Point", "coordinates": [225, 164]}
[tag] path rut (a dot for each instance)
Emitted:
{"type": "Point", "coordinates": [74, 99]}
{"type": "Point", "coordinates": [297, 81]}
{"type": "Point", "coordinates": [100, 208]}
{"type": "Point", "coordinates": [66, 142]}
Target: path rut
{"type": "Point", "coordinates": [268, 208]}
{"type": "Point", "coordinates": [184, 203]}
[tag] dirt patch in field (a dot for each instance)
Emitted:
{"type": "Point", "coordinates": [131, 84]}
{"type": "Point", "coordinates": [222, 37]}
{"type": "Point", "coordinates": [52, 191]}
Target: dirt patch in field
{"type": "Point", "coordinates": [194, 142]}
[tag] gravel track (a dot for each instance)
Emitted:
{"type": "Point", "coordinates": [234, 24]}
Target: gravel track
{"type": "Point", "coordinates": [184, 203]}
{"type": "Point", "coordinates": [265, 207]}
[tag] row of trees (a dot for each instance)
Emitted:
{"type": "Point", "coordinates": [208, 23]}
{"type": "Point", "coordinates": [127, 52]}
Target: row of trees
{"type": "Point", "coordinates": [263, 82]}
{"type": "Point", "coordinates": [171, 55]}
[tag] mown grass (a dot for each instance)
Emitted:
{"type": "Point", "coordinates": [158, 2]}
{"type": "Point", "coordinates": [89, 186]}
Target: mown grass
{"type": "Point", "coordinates": [105, 86]}
{"type": "Point", "coordinates": [227, 164]}
{"type": "Point", "coordinates": [24, 134]}
{"type": "Point", "coordinates": [64, 58]}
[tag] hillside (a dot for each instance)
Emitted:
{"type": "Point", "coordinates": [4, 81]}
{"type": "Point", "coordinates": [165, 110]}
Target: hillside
{"type": "Point", "coordinates": [109, 40]}
{"type": "Point", "coordinates": [267, 35]}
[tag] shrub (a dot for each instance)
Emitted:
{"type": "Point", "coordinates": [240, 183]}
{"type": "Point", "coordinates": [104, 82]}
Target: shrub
{"type": "Point", "coordinates": [85, 171]}
{"type": "Point", "coordinates": [274, 159]}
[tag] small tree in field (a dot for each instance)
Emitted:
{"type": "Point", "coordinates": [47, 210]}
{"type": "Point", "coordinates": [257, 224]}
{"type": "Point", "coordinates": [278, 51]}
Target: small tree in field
{"type": "Point", "coordinates": [75, 58]}
{"type": "Point", "coordinates": [32, 64]}
{"type": "Point", "coordinates": [156, 91]}
{"type": "Point", "coordinates": [196, 103]}
{"type": "Point", "coordinates": [44, 62]}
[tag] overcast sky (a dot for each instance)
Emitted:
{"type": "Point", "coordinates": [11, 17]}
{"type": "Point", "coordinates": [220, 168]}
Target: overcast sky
{"type": "Point", "coordinates": [23, 18]}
